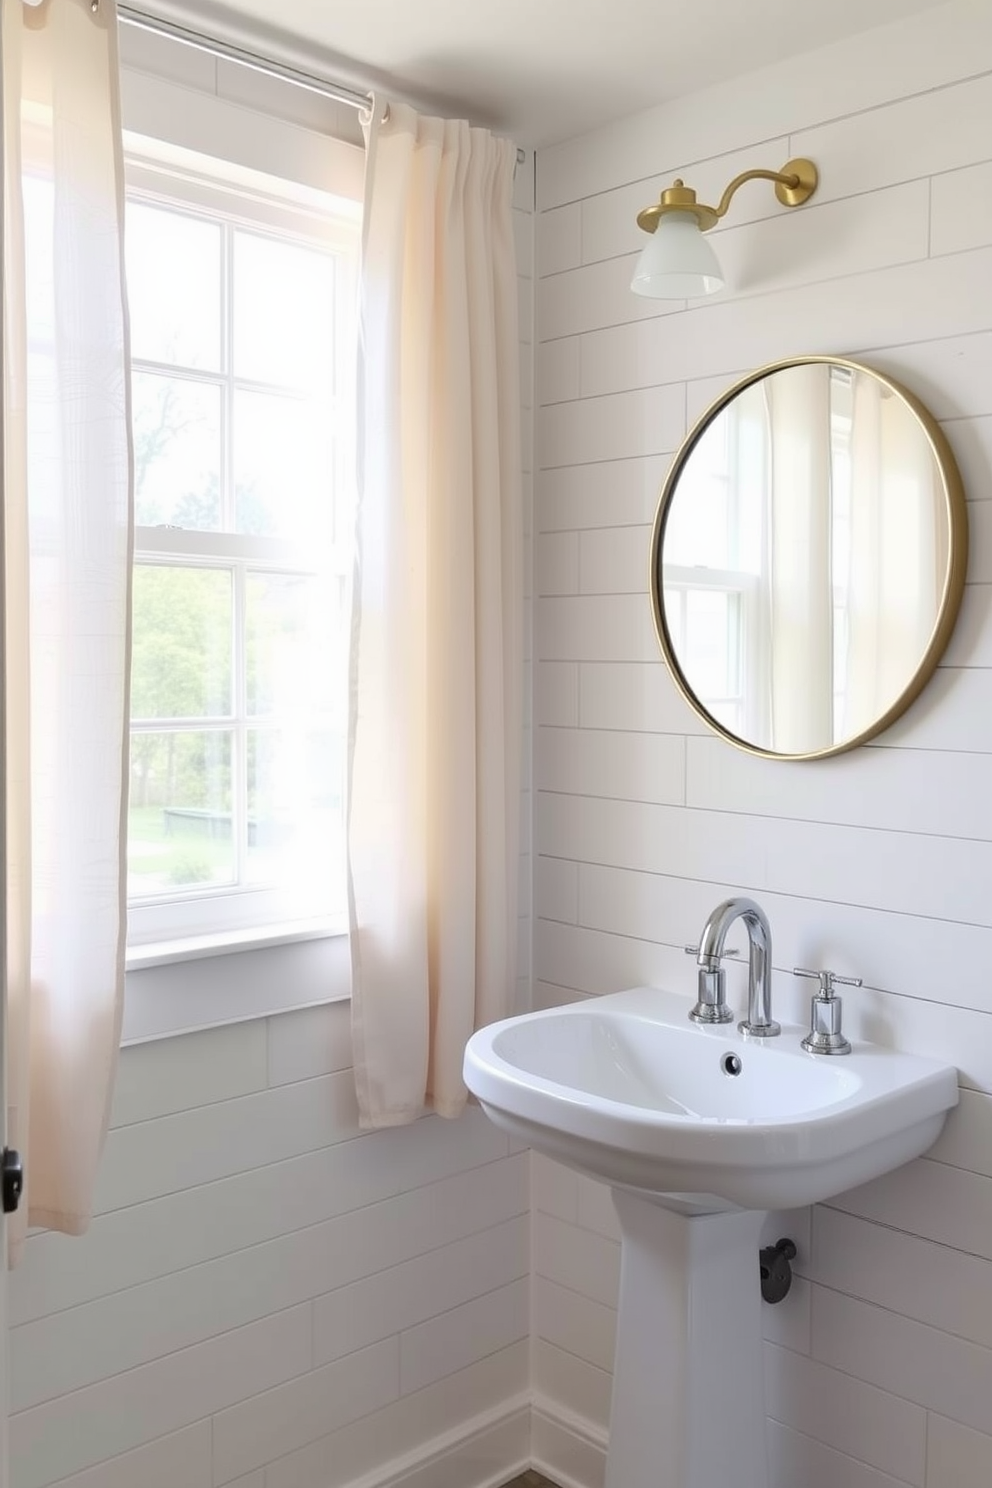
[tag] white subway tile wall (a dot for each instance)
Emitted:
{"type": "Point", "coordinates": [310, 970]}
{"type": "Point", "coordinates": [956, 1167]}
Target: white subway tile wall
{"type": "Point", "coordinates": [877, 863]}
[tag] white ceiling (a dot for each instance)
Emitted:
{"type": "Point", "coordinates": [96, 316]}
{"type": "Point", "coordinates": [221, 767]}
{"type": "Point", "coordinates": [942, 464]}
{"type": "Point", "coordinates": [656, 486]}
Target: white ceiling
{"type": "Point", "coordinates": [544, 70]}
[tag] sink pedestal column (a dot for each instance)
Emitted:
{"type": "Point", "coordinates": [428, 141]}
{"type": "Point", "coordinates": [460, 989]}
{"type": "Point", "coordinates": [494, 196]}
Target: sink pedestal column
{"type": "Point", "coordinates": [688, 1394]}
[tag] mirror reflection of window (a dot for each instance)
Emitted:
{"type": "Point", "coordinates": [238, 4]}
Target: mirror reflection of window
{"type": "Point", "coordinates": [806, 550]}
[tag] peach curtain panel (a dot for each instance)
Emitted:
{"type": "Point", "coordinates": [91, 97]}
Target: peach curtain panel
{"type": "Point", "coordinates": [436, 664]}
{"type": "Point", "coordinates": [67, 559]}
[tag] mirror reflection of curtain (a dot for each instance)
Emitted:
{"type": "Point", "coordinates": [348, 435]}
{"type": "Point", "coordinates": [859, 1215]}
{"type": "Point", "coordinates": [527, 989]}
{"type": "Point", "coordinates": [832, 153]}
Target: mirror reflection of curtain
{"type": "Point", "coordinates": [899, 552]}
{"type": "Point", "coordinates": [800, 679]}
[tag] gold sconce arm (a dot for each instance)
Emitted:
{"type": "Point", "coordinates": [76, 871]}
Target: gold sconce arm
{"type": "Point", "coordinates": [794, 185]}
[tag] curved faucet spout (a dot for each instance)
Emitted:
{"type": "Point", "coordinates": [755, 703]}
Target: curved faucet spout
{"type": "Point", "coordinates": [759, 1022]}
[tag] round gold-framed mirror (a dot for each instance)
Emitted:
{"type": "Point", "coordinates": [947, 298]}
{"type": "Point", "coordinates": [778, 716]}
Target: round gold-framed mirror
{"type": "Point", "coordinates": [808, 557]}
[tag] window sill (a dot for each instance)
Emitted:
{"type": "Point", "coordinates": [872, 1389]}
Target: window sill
{"type": "Point", "coordinates": [229, 942]}
{"type": "Point", "coordinates": [188, 987]}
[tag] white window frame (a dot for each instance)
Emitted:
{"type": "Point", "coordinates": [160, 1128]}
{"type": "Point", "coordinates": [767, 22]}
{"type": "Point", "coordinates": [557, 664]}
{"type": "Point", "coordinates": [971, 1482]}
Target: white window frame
{"type": "Point", "coordinates": [279, 172]}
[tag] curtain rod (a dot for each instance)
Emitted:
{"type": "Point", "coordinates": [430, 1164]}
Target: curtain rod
{"type": "Point", "coordinates": [324, 87]}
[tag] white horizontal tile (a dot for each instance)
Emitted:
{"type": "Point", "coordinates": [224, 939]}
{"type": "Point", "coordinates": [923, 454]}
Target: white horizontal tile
{"type": "Point", "coordinates": [638, 695]}
{"type": "Point", "coordinates": [898, 790]}
{"type": "Point", "coordinates": [259, 1430]}
{"type": "Point", "coordinates": [980, 542]}
{"type": "Point", "coordinates": [787, 1323]}
{"type": "Point", "coordinates": [587, 961]}
{"type": "Point", "coordinates": [933, 130]}
{"type": "Point", "coordinates": [948, 372]}
{"type": "Point", "coordinates": [559, 244]}
{"type": "Point", "coordinates": [124, 1249]}
{"type": "Point", "coordinates": [66, 1435]}
{"type": "Point", "coordinates": [970, 644]}
{"type": "Point", "coordinates": [930, 1199]}
{"type": "Point", "coordinates": [546, 995]}
{"type": "Point", "coordinates": [957, 1457]}
{"type": "Point", "coordinates": [574, 1323]}
{"type": "Point", "coordinates": [554, 1188]}
{"type": "Point", "coordinates": [966, 1141]}
{"type": "Point", "coordinates": [556, 693]}
{"type": "Point", "coordinates": [600, 762]}
{"type": "Point", "coordinates": [923, 1365]}
{"type": "Point", "coordinates": [573, 1384]}
{"type": "Point", "coordinates": [357, 1452]}
{"type": "Point", "coordinates": [523, 184]}
{"type": "Point", "coordinates": [846, 864]}
{"type": "Point", "coordinates": [612, 493]}
{"type": "Point", "coordinates": [197, 1069]}
{"type": "Point", "coordinates": [557, 370]}
{"type": "Point", "coordinates": [74, 1348]}
{"type": "Point", "coordinates": [462, 1336]}
{"type": "Point", "coordinates": [556, 889]}
{"type": "Point", "coordinates": [577, 1258]}
{"type": "Point", "coordinates": [852, 317]}
{"type": "Point", "coordinates": [195, 1147]}
{"type": "Point", "coordinates": [915, 54]}
{"type": "Point", "coordinates": [310, 1042]}
{"type": "Point", "coordinates": [971, 444]}
{"type": "Point", "coordinates": [642, 421]}
{"type": "Point", "coordinates": [953, 712]}
{"type": "Point", "coordinates": [894, 952]}
{"type": "Point", "coordinates": [351, 1317]}
{"type": "Point", "coordinates": [556, 567]}
{"type": "Point", "coordinates": [615, 561]}
{"type": "Point", "coordinates": [797, 1461]}
{"type": "Point", "coordinates": [947, 1289]}
{"type": "Point", "coordinates": [182, 1457]}
{"type": "Point", "coordinates": [961, 203]}
{"type": "Point", "coordinates": [596, 627]}
{"type": "Point", "coordinates": [871, 1424]}
{"type": "Point", "coordinates": [597, 1211]}
{"type": "Point", "coordinates": [597, 295]}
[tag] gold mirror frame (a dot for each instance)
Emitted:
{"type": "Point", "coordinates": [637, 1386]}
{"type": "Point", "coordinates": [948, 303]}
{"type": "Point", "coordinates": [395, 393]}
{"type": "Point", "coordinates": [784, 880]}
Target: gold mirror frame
{"type": "Point", "coordinates": [954, 579]}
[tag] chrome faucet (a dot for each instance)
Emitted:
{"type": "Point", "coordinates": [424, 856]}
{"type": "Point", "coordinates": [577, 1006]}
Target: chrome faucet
{"type": "Point", "coordinates": [712, 1005]}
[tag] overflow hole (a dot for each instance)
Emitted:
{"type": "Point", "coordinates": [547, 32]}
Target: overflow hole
{"type": "Point", "coordinates": [731, 1064]}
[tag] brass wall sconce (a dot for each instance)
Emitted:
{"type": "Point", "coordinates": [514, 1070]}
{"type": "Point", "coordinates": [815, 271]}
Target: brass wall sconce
{"type": "Point", "coordinates": [677, 263]}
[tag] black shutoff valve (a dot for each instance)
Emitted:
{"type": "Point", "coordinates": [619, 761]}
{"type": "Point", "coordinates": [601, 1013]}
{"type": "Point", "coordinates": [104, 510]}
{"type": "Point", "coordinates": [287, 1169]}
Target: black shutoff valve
{"type": "Point", "coordinates": [776, 1270]}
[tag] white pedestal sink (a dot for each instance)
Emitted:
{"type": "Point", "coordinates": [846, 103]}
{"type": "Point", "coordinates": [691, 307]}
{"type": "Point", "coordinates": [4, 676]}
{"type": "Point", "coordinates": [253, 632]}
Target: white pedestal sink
{"type": "Point", "coordinates": [698, 1131]}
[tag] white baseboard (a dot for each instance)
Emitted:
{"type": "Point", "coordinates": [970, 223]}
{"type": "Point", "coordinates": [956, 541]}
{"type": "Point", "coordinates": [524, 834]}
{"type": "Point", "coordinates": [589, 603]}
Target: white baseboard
{"type": "Point", "coordinates": [485, 1452]}
{"type": "Point", "coordinates": [567, 1448]}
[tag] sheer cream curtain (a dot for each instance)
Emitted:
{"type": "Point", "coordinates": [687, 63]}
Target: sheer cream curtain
{"type": "Point", "coordinates": [898, 551]}
{"type": "Point", "coordinates": [67, 539]}
{"type": "Point", "coordinates": [434, 770]}
{"type": "Point", "coordinates": [800, 589]}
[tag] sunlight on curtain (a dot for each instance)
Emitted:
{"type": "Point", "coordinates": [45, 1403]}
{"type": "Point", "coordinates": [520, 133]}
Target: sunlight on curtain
{"type": "Point", "coordinates": [899, 548]}
{"type": "Point", "coordinates": [437, 646]}
{"type": "Point", "coordinates": [67, 539]}
{"type": "Point", "coordinates": [800, 596]}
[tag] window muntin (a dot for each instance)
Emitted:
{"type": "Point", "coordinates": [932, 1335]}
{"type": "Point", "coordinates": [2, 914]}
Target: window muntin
{"type": "Point", "coordinates": [242, 355]}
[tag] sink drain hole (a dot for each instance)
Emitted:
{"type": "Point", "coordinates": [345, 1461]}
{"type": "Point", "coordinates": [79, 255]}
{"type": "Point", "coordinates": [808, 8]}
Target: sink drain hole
{"type": "Point", "coordinates": [731, 1064]}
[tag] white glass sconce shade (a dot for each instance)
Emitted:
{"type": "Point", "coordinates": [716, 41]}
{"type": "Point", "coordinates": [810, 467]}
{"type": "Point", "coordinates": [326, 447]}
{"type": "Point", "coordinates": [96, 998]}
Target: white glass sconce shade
{"type": "Point", "coordinates": [677, 262]}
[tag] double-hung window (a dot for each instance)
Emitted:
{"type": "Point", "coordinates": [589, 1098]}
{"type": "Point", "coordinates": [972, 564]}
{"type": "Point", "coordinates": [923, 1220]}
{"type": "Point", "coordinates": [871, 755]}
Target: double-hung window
{"type": "Point", "coordinates": [241, 292]}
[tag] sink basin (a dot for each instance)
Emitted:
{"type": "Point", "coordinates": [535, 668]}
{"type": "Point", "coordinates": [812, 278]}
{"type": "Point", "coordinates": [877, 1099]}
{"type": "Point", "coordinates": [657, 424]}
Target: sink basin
{"type": "Point", "coordinates": [624, 1087]}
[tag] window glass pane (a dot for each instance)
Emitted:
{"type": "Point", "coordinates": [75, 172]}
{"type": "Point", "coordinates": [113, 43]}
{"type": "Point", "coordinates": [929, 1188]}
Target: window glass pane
{"type": "Point", "coordinates": [283, 484]}
{"type": "Point", "coordinates": [173, 287]}
{"type": "Point", "coordinates": [181, 643]}
{"type": "Point", "coordinates": [294, 807]}
{"type": "Point", "coordinates": [712, 642]}
{"type": "Point", "coordinates": [179, 819]}
{"type": "Point", "coordinates": [295, 656]}
{"type": "Point", "coordinates": [283, 313]}
{"type": "Point", "coordinates": [176, 452]}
